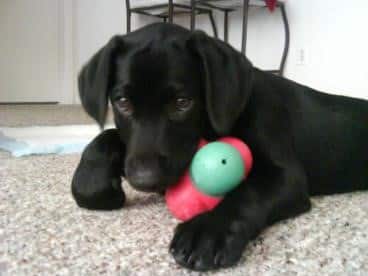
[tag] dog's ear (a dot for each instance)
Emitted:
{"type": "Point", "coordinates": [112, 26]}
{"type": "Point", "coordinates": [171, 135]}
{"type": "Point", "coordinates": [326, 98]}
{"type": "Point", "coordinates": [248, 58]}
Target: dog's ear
{"type": "Point", "coordinates": [227, 77]}
{"type": "Point", "coordinates": [94, 80]}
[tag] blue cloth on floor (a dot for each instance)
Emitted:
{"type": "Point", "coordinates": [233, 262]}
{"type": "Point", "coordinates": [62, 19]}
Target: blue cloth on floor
{"type": "Point", "coordinates": [46, 139]}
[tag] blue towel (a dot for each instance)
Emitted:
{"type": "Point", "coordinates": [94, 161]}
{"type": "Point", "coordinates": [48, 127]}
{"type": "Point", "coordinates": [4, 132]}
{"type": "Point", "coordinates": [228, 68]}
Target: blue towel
{"type": "Point", "coordinates": [46, 139]}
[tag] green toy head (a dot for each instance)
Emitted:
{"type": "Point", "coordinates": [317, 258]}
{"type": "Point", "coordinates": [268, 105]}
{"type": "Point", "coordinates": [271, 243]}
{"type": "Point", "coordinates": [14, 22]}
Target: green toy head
{"type": "Point", "coordinates": [217, 168]}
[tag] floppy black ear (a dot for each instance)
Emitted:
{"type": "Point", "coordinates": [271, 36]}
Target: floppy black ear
{"type": "Point", "coordinates": [95, 79]}
{"type": "Point", "coordinates": [227, 78]}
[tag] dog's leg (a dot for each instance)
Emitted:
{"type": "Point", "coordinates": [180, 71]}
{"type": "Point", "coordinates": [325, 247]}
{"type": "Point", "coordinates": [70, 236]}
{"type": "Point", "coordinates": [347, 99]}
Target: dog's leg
{"type": "Point", "coordinates": [217, 239]}
{"type": "Point", "coordinates": [96, 182]}
{"type": "Point", "coordinates": [276, 189]}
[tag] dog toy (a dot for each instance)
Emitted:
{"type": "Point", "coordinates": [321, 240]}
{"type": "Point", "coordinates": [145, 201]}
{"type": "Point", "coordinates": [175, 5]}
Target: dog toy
{"type": "Point", "coordinates": [216, 169]}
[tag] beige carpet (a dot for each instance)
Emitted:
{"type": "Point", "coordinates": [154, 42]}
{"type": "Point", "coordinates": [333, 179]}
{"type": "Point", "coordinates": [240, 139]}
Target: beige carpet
{"type": "Point", "coordinates": [43, 232]}
{"type": "Point", "coordinates": [48, 114]}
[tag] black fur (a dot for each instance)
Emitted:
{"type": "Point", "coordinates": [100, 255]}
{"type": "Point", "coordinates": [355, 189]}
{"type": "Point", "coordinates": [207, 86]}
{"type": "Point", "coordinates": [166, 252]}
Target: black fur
{"type": "Point", "coordinates": [304, 142]}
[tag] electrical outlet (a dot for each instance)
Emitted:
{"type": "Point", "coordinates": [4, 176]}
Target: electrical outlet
{"type": "Point", "coordinates": [301, 57]}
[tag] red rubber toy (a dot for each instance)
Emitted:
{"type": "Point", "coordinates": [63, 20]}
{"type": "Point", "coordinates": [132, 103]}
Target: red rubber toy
{"type": "Point", "coordinates": [184, 200]}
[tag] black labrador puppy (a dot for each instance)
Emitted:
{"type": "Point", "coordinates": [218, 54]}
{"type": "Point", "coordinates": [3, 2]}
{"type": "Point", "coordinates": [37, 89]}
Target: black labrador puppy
{"type": "Point", "coordinates": [168, 88]}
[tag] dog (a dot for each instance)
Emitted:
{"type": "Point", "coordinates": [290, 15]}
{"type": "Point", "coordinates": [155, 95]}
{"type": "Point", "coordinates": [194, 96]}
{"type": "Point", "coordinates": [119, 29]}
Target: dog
{"type": "Point", "coordinates": [168, 88]}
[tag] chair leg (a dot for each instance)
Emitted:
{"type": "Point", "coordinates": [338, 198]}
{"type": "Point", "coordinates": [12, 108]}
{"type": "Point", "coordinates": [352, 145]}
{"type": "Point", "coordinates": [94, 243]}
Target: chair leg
{"type": "Point", "coordinates": [128, 16]}
{"type": "Point", "coordinates": [171, 11]}
{"type": "Point", "coordinates": [287, 38]}
{"type": "Point", "coordinates": [192, 14]}
{"type": "Point", "coordinates": [245, 26]}
{"type": "Point", "coordinates": [213, 23]}
{"type": "Point", "coordinates": [129, 22]}
{"type": "Point", "coordinates": [226, 26]}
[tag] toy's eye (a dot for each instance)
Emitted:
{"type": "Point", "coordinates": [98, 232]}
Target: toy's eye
{"type": "Point", "coordinates": [124, 106]}
{"type": "Point", "coordinates": [183, 104]}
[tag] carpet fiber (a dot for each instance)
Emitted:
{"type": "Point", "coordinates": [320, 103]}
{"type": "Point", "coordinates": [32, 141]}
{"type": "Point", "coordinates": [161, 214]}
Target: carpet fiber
{"type": "Point", "coordinates": [43, 232]}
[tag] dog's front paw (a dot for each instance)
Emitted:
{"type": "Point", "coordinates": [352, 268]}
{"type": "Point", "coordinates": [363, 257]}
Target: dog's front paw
{"type": "Point", "coordinates": [208, 242]}
{"type": "Point", "coordinates": [97, 189]}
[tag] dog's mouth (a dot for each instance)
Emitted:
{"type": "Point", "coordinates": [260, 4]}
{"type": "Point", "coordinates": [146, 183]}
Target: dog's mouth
{"type": "Point", "coordinates": [158, 190]}
{"type": "Point", "coordinates": [159, 185]}
{"type": "Point", "coordinates": [151, 182]}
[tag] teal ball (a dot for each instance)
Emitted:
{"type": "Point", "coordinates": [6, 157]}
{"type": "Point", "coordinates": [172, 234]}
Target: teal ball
{"type": "Point", "coordinates": [217, 168]}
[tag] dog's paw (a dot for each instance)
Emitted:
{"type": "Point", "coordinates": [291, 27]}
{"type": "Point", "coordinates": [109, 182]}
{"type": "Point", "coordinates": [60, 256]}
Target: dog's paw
{"type": "Point", "coordinates": [97, 190]}
{"type": "Point", "coordinates": [207, 242]}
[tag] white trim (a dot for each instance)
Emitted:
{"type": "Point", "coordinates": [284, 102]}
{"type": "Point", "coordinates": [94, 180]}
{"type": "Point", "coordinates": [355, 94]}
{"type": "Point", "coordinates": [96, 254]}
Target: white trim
{"type": "Point", "coordinates": [66, 51]}
{"type": "Point", "coordinates": [75, 39]}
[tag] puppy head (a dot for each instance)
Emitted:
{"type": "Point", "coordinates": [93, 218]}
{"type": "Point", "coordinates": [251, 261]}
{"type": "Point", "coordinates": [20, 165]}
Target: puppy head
{"type": "Point", "coordinates": [168, 87]}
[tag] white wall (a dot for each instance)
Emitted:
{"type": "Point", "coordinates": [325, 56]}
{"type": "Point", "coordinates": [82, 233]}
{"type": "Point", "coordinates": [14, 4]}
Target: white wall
{"type": "Point", "coordinates": [96, 22]}
{"type": "Point", "coordinates": [331, 33]}
{"type": "Point", "coordinates": [29, 47]}
{"type": "Point", "coordinates": [334, 36]}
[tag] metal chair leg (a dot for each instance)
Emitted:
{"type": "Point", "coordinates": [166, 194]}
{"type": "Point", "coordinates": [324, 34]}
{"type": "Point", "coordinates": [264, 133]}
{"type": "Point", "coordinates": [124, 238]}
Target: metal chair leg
{"type": "Point", "coordinates": [213, 23]}
{"type": "Point", "coordinates": [226, 26]}
{"type": "Point", "coordinates": [287, 38]}
{"type": "Point", "coordinates": [129, 22]}
{"type": "Point", "coordinates": [192, 14]}
{"type": "Point", "coordinates": [128, 16]}
{"type": "Point", "coordinates": [171, 11]}
{"type": "Point", "coordinates": [245, 26]}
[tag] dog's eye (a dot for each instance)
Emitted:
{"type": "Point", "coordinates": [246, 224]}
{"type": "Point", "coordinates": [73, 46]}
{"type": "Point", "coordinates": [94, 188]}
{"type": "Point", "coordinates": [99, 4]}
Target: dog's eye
{"type": "Point", "coordinates": [183, 104]}
{"type": "Point", "coordinates": [125, 106]}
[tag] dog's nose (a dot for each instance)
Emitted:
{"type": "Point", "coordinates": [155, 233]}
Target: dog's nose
{"type": "Point", "coordinates": [144, 173]}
